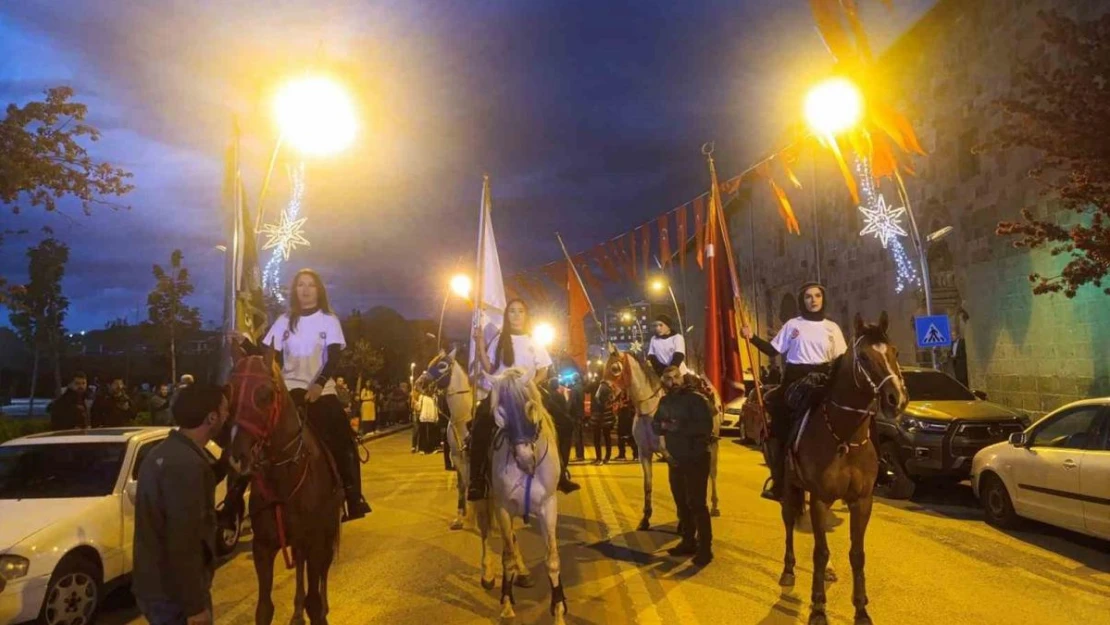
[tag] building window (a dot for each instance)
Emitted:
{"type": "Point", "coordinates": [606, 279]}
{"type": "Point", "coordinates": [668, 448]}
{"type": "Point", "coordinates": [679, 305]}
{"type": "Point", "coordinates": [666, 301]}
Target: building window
{"type": "Point", "coordinates": [968, 158]}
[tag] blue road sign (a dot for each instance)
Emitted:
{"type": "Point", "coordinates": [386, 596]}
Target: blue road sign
{"type": "Point", "coordinates": [933, 331]}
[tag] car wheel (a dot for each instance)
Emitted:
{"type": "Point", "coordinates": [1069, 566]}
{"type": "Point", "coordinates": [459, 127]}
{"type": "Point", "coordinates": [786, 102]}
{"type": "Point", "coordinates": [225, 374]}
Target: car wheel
{"type": "Point", "coordinates": [996, 502]}
{"type": "Point", "coordinates": [901, 486]}
{"type": "Point", "coordinates": [73, 594]}
{"type": "Point", "coordinates": [227, 537]}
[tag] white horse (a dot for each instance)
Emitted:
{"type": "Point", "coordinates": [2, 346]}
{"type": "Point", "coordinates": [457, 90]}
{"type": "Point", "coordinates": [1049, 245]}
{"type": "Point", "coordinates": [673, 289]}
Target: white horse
{"type": "Point", "coordinates": [525, 470]}
{"type": "Point", "coordinates": [630, 376]}
{"type": "Point", "coordinates": [447, 376]}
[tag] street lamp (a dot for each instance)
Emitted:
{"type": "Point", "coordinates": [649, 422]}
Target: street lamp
{"type": "Point", "coordinates": [459, 285]}
{"type": "Point", "coordinates": [544, 334]}
{"type": "Point", "coordinates": [315, 115]}
{"type": "Point", "coordinates": [833, 107]}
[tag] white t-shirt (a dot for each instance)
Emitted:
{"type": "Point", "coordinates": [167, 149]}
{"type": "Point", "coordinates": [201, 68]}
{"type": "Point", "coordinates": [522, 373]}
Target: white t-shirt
{"type": "Point", "coordinates": [428, 411]}
{"type": "Point", "coordinates": [804, 342]}
{"type": "Point", "coordinates": [665, 349]}
{"type": "Point", "coordinates": [305, 352]}
{"type": "Point", "coordinates": [527, 355]}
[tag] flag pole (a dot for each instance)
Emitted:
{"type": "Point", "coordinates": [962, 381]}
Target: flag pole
{"type": "Point", "coordinates": [593, 312]}
{"type": "Point", "coordinates": [476, 320]}
{"type": "Point", "coordinates": [718, 213]}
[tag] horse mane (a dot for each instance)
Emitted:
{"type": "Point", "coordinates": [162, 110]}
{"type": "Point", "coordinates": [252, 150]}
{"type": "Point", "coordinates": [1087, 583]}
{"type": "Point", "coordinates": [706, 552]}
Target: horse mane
{"type": "Point", "coordinates": [522, 393]}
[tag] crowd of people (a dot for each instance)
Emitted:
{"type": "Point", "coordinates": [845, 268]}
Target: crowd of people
{"type": "Point", "coordinates": [92, 405]}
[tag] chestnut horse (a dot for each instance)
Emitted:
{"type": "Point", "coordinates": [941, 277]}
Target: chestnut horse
{"type": "Point", "coordinates": [833, 457]}
{"type": "Point", "coordinates": [296, 497]}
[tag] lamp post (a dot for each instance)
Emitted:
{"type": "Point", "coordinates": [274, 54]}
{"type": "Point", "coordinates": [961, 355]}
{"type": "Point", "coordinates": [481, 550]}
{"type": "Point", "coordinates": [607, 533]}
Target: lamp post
{"type": "Point", "coordinates": [459, 285]}
{"type": "Point", "coordinates": [657, 285]}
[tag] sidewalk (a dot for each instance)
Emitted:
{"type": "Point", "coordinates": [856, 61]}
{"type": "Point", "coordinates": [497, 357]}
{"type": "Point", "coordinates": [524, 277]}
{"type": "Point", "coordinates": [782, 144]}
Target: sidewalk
{"type": "Point", "coordinates": [393, 429]}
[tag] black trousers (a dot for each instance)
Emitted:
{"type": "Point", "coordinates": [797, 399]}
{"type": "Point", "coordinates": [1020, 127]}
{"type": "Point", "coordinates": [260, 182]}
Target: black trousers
{"type": "Point", "coordinates": [578, 435]}
{"type": "Point", "coordinates": [329, 422]}
{"type": "Point", "coordinates": [624, 433]}
{"type": "Point", "coordinates": [603, 434]}
{"type": "Point", "coordinates": [689, 485]}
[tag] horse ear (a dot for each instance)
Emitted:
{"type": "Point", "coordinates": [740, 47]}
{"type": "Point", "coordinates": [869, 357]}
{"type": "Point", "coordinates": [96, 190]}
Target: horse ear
{"type": "Point", "coordinates": [453, 352]}
{"type": "Point", "coordinates": [859, 324]}
{"type": "Point", "coordinates": [884, 322]}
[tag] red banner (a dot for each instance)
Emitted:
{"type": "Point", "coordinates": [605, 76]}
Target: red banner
{"type": "Point", "coordinates": [699, 228]}
{"type": "Point", "coordinates": [617, 251]}
{"type": "Point", "coordinates": [577, 308]}
{"type": "Point", "coordinates": [680, 217]}
{"type": "Point", "coordinates": [645, 250]}
{"type": "Point", "coordinates": [584, 270]}
{"type": "Point", "coordinates": [664, 239]}
{"type": "Point", "coordinates": [605, 261]}
{"type": "Point", "coordinates": [632, 254]}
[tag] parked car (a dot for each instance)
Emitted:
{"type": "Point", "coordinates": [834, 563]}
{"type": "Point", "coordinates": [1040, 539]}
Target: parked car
{"type": "Point", "coordinates": [1057, 471]}
{"type": "Point", "coordinates": [941, 430]}
{"type": "Point", "coordinates": [731, 418]}
{"type": "Point", "coordinates": [746, 417]}
{"type": "Point", "coordinates": [67, 501]}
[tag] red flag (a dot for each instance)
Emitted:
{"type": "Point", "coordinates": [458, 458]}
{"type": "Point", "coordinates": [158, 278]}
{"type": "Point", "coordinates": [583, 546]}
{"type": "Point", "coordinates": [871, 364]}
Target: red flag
{"type": "Point", "coordinates": [512, 287]}
{"type": "Point", "coordinates": [577, 307]}
{"type": "Point", "coordinates": [645, 249]}
{"type": "Point", "coordinates": [620, 257]}
{"type": "Point", "coordinates": [632, 254]}
{"type": "Point", "coordinates": [680, 216]}
{"type": "Point", "coordinates": [608, 268]}
{"type": "Point", "coordinates": [583, 265]}
{"type": "Point", "coordinates": [729, 187]}
{"type": "Point", "coordinates": [722, 355]}
{"type": "Point", "coordinates": [664, 239]}
{"type": "Point", "coordinates": [699, 228]}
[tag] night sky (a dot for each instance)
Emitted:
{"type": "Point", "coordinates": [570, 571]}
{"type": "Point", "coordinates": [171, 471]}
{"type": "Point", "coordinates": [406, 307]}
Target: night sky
{"type": "Point", "coordinates": [588, 116]}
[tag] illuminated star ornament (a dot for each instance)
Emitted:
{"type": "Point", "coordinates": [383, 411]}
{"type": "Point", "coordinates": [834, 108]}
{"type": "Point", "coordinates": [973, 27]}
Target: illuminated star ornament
{"type": "Point", "coordinates": [882, 221]}
{"type": "Point", "coordinates": [285, 235]}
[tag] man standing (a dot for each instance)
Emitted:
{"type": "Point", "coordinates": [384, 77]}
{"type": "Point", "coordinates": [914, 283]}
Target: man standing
{"type": "Point", "coordinates": [160, 406]}
{"type": "Point", "coordinates": [70, 410]}
{"type": "Point", "coordinates": [114, 409]}
{"type": "Point", "coordinates": [175, 515]}
{"type": "Point", "coordinates": [959, 358]}
{"type": "Point", "coordinates": [685, 418]}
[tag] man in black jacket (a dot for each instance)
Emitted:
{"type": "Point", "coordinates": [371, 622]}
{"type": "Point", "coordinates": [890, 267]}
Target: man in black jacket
{"type": "Point", "coordinates": [70, 410]}
{"type": "Point", "coordinates": [114, 409]}
{"type": "Point", "coordinates": [685, 419]}
{"type": "Point", "coordinates": [557, 405]}
{"type": "Point", "coordinates": [175, 515]}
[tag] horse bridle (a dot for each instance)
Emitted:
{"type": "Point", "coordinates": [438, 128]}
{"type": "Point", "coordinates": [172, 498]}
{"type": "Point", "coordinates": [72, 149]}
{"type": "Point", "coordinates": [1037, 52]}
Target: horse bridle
{"type": "Point", "coordinates": [857, 370]}
{"type": "Point", "coordinates": [626, 385]}
{"type": "Point", "coordinates": [263, 431]}
{"type": "Point", "coordinates": [445, 371]}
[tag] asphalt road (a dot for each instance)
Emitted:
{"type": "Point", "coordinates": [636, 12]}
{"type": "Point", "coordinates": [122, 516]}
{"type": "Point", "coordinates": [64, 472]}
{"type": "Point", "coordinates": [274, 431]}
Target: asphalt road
{"type": "Point", "coordinates": [931, 560]}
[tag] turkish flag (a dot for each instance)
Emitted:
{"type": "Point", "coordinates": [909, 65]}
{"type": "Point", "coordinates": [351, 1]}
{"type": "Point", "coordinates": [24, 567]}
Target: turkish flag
{"type": "Point", "coordinates": [645, 248]}
{"type": "Point", "coordinates": [722, 351]}
{"type": "Point", "coordinates": [699, 228]}
{"type": "Point", "coordinates": [632, 254]}
{"type": "Point", "coordinates": [680, 217]}
{"type": "Point", "coordinates": [578, 306]}
{"type": "Point", "coordinates": [608, 268]}
{"type": "Point", "coordinates": [582, 262]}
{"type": "Point", "coordinates": [664, 239]}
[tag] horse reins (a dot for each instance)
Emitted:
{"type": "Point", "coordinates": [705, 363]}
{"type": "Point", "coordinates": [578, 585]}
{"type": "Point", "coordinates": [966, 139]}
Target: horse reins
{"type": "Point", "coordinates": [868, 412]}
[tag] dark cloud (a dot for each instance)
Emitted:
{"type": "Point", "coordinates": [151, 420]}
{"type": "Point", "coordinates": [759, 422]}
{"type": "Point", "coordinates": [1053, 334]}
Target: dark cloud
{"type": "Point", "coordinates": [589, 118]}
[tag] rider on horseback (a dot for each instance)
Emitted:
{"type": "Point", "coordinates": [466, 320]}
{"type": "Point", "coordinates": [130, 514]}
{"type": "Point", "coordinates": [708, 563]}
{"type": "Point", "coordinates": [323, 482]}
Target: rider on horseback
{"type": "Point", "coordinates": [666, 348]}
{"type": "Point", "coordinates": [809, 344]}
{"type": "Point", "coordinates": [514, 348]}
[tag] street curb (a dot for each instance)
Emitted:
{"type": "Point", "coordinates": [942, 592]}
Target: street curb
{"type": "Point", "coordinates": [383, 433]}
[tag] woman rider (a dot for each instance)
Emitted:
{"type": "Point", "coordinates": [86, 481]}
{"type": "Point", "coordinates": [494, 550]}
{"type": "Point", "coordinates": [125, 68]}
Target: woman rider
{"type": "Point", "coordinates": [514, 347]}
{"type": "Point", "coordinates": [809, 344]}
{"type": "Point", "coordinates": [667, 348]}
{"type": "Point", "coordinates": [308, 340]}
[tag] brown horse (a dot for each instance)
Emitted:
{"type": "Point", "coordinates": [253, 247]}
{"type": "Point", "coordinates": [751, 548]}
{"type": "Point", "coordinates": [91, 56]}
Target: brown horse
{"type": "Point", "coordinates": [833, 457]}
{"type": "Point", "coordinates": [296, 498]}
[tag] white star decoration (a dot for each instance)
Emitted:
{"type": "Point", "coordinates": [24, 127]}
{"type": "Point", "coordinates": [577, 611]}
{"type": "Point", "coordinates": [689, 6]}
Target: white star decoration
{"type": "Point", "coordinates": [882, 221]}
{"type": "Point", "coordinates": [285, 235]}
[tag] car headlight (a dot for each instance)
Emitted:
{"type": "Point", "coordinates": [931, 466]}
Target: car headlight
{"type": "Point", "coordinates": [13, 567]}
{"type": "Point", "coordinates": [915, 424]}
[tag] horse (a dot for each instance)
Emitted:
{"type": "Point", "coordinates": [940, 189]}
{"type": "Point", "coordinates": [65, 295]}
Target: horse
{"type": "Point", "coordinates": [446, 374]}
{"type": "Point", "coordinates": [630, 376]}
{"type": "Point", "coordinates": [525, 470]}
{"type": "Point", "coordinates": [296, 499]}
{"type": "Point", "coordinates": [833, 457]}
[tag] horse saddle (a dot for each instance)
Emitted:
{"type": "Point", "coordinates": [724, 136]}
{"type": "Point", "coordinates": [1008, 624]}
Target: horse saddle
{"type": "Point", "coordinates": [806, 392]}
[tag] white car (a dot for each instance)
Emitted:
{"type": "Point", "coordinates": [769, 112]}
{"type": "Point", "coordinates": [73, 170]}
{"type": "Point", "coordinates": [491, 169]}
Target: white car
{"type": "Point", "coordinates": [1057, 471]}
{"type": "Point", "coordinates": [68, 520]}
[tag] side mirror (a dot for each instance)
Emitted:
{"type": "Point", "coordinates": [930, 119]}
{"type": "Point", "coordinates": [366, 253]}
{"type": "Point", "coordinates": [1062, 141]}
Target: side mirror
{"type": "Point", "coordinates": [131, 490]}
{"type": "Point", "coordinates": [980, 394]}
{"type": "Point", "coordinates": [1018, 439]}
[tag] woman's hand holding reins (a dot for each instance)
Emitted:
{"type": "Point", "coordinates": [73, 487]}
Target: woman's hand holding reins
{"type": "Point", "coordinates": [313, 393]}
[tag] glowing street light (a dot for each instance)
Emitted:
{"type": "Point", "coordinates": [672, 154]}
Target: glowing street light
{"type": "Point", "coordinates": [460, 285]}
{"type": "Point", "coordinates": [544, 334]}
{"type": "Point", "coordinates": [833, 106]}
{"type": "Point", "coordinates": [315, 114]}
{"type": "Point", "coordinates": [657, 285]}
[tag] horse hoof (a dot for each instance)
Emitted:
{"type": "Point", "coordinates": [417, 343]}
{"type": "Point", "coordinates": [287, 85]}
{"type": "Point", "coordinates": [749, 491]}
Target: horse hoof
{"type": "Point", "coordinates": [524, 581]}
{"type": "Point", "coordinates": [862, 617]}
{"type": "Point", "coordinates": [457, 524]}
{"type": "Point", "coordinates": [830, 575]}
{"type": "Point", "coordinates": [818, 618]}
{"type": "Point", "coordinates": [487, 584]}
{"type": "Point", "coordinates": [507, 610]}
{"type": "Point", "coordinates": [787, 580]}
{"type": "Point", "coordinates": [714, 512]}
{"type": "Point", "coordinates": [644, 525]}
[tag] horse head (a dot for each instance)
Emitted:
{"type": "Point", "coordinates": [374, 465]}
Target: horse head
{"type": "Point", "coordinates": [874, 362]}
{"type": "Point", "coordinates": [628, 377]}
{"type": "Point", "coordinates": [518, 409]}
{"type": "Point", "coordinates": [438, 371]}
{"type": "Point", "coordinates": [258, 395]}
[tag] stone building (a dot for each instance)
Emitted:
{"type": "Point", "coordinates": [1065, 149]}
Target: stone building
{"type": "Point", "coordinates": [946, 73]}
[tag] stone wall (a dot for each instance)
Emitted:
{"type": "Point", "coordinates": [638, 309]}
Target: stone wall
{"type": "Point", "coordinates": [1031, 352]}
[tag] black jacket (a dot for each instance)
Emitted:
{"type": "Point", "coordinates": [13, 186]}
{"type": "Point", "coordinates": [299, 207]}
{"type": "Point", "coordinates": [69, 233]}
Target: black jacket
{"type": "Point", "coordinates": [175, 526]}
{"type": "Point", "coordinates": [685, 418]}
{"type": "Point", "coordinates": [69, 411]}
{"type": "Point", "coordinates": [112, 411]}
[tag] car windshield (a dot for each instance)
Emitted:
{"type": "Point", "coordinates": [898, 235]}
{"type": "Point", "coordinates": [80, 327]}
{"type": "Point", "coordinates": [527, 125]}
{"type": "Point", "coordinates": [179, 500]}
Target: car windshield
{"type": "Point", "coordinates": [934, 386]}
{"type": "Point", "coordinates": [59, 471]}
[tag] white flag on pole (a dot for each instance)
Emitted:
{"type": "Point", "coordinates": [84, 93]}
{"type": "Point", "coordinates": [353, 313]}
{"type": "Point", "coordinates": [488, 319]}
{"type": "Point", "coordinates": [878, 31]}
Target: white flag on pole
{"type": "Point", "coordinates": [489, 309]}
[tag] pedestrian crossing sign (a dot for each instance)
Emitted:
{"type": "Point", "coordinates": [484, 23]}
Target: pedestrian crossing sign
{"type": "Point", "coordinates": [933, 331]}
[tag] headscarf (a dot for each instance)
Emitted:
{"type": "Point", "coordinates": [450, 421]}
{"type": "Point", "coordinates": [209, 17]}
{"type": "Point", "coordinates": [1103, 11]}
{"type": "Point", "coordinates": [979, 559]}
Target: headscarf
{"type": "Point", "coordinates": [805, 313]}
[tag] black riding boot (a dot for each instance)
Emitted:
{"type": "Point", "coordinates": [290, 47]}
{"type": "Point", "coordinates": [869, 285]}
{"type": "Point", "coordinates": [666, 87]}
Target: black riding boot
{"type": "Point", "coordinates": [776, 462]}
{"type": "Point", "coordinates": [481, 429]}
{"type": "Point", "coordinates": [357, 507]}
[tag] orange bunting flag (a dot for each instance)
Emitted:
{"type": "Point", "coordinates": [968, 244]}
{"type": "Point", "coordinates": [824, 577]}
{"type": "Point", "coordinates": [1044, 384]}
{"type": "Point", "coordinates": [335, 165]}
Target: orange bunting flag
{"type": "Point", "coordinates": [584, 270]}
{"type": "Point", "coordinates": [618, 251]}
{"type": "Point", "coordinates": [664, 239]}
{"type": "Point", "coordinates": [699, 229]}
{"type": "Point", "coordinates": [785, 210]}
{"type": "Point", "coordinates": [730, 187]}
{"type": "Point", "coordinates": [645, 249]}
{"type": "Point", "coordinates": [680, 217]}
{"type": "Point", "coordinates": [608, 268]}
{"type": "Point", "coordinates": [578, 306]}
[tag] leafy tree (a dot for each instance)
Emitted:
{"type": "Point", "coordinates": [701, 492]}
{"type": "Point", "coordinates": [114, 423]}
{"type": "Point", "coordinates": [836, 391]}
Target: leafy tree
{"type": "Point", "coordinates": [169, 316]}
{"type": "Point", "coordinates": [39, 308]}
{"type": "Point", "coordinates": [364, 359]}
{"type": "Point", "coordinates": [1062, 109]}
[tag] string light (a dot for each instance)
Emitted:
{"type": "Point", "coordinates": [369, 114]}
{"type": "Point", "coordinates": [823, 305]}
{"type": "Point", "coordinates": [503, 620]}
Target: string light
{"type": "Point", "coordinates": [284, 237]}
{"type": "Point", "coordinates": [882, 221]}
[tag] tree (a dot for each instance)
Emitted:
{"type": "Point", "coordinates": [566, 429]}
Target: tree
{"type": "Point", "coordinates": [39, 308]}
{"type": "Point", "coordinates": [364, 359]}
{"type": "Point", "coordinates": [1063, 111]}
{"type": "Point", "coordinates": [168, 313]}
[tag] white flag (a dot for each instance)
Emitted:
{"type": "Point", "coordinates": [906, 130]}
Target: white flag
{"type": "Point", "coordinates": [489, 310]}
